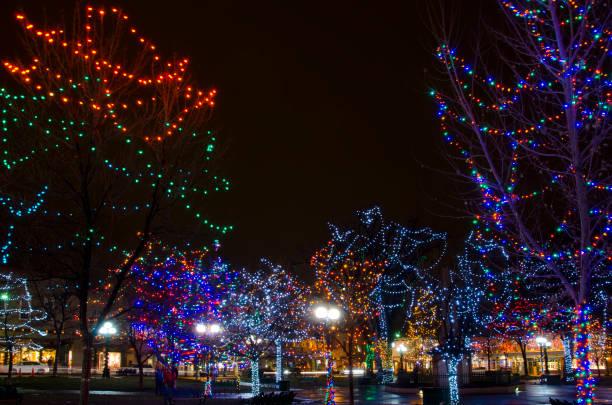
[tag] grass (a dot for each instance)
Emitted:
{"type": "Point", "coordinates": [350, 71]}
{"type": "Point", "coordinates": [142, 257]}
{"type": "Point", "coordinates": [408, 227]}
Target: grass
{"type": "Point", "coordinates": [96, 383]}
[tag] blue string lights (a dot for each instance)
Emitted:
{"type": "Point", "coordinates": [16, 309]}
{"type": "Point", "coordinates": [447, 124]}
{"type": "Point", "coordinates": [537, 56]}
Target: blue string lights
{"type": "Point", "coordinates": [267, 308]}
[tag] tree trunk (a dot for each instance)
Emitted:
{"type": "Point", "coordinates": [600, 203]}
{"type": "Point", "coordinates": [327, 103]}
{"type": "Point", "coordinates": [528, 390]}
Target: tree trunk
{"type": "Point", "coordinates": [568, 371]}
{"type": "Point", "coordinates": [140, 376]}
{"type": "Point", "coordinates": [58, 347]}
{"type": "Point", "coordinates": [379, 363]}
{"type": "Point", "coordinates": [10, 362]}
{"type": "Point", "coordinates": [140, 366]}
{"type": "Point", "coordinates": [255, 387]}
{"type": "Point", "coordinates": [279, 361]}
{"type": "Point", "coordinates": [585, 383]}
{"type": "Point", "coordinates": [488, 359]}
{"type": "Point", "coordinates": [350, 364]}
{"type": "Point", "coordinates": [453, 379]}
{"type": "Point", "coordinates": [329, 389]}
{"type": "Point", "coordinates": [523, 347]}
{"type": "Point", "coordinates": [86, 370]}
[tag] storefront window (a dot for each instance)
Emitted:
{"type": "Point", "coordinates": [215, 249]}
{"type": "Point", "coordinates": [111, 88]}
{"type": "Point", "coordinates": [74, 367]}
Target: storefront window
{"type": "Point", "coordinates": [114, 360]}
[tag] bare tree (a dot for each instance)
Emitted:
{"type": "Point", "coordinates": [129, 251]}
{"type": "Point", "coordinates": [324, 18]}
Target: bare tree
{"type": "Point", "coordinates": [527, 122]}
{"type": "Point", "coordinates": [59, 305]}
{"type": "Point", "coordinates": [118, 136]}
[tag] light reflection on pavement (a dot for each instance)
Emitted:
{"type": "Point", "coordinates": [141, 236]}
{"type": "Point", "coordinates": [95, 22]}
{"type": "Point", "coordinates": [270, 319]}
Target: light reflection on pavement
{"type": "Point", "coordinates": [534, 394]}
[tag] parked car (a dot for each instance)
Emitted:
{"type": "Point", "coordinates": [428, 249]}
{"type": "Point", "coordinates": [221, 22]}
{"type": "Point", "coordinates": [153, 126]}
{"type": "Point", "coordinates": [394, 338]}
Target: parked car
{"type": "Point", "coordinates": [26, 367]}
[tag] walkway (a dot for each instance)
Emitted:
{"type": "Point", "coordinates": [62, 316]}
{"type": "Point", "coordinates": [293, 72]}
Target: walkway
{"type": "Point", "coordinates": [533, 395]}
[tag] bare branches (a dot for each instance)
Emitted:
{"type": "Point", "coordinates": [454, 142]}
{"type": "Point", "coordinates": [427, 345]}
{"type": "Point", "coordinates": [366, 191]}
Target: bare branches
{"type": "Point", "coordinates": [532, 140]}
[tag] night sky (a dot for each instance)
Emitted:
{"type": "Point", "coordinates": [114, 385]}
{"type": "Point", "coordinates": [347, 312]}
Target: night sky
{"type": "Point", "coordinates": [323, 106]}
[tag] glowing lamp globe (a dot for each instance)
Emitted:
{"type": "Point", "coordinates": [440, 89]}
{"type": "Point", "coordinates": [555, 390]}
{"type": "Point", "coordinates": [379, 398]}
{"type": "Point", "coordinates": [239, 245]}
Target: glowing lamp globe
{"type": "Point", "coordinates": [321, 312]}
{"type": "Point", "coordinates": [108, 329]}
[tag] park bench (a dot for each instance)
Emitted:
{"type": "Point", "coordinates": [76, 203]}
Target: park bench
{"type": "Point", "coordinates": [283, 398]}
{"type": "Point", "coordinates": [172, 396]}
{"type": "Point", "coordinates": [9, 394]}
{"type": "Point", "coordinates": [126, 371]}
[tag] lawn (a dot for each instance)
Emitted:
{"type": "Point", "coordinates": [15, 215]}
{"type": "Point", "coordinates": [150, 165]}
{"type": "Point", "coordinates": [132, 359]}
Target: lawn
{"type": "Point", "coordinates": [97, 384]}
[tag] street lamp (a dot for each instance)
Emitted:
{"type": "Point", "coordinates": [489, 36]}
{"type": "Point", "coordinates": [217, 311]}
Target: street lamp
{"type": "Point", "coordinates": [209, 330]}
{"type": "Point", "coordinates": [328, 314]}
{"type": "Point", "coordinates": [401, 350]}
{"type": "Point", "coordinates": [544, 344]}
{"type": "Point", "coordinates": [107, 330]}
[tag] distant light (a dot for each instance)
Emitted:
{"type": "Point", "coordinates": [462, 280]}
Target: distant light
{"type": "Point", "coordinates": [333, 314]}
{"type": "Point", "coordinates": [200, 328]}
{"type": "Point", "coordinates": [214, 328]}
{"type": "Point", "coordinates": [356, 371]}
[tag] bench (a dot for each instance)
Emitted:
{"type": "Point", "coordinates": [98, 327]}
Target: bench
{"type": "Point", "coordinates": [126, 371]}
{"type": "Point", "coordinates": [9, 394]}
{"type": "Point", "coordinates": [559, 402]}
{"type": "Point", "coordinates": [183, 394]}
{"type": "Point", "coordinates": [283, 398]}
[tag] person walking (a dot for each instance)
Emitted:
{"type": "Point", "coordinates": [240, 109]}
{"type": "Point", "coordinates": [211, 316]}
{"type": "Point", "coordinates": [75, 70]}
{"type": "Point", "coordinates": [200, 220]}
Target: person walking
{"type": "Point", "coordinates": [159, 379]}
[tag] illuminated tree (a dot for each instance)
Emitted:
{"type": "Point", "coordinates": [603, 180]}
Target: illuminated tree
{"type": "Point", "coordinates": [347, 281]}
{"type": "Point", "coordinates": [172, 293]}
{"type": "Point", "coordinates": [468, 298]}
{"type": "Point", "coordinates": [294, 326]}
{"type": "Point", "coordinates": [421, 328]}
{"type": "Point", "coordinates": [118, 135]}
{"type": "Point", "coordinates": [518, 324]}
{"type": "Point", "coordinates": [535, 143]}
{"type": "Point", "coordinates": [598, 344]}
{"type": "Point", "coordinates": [18, 319]}
{"type": "Point", "coordinates": [261, 313]}
{"type": "Point", "coordinates": [403, 253]}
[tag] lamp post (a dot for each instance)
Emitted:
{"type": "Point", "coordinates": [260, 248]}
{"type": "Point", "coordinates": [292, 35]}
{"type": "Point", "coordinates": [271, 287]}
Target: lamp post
{"type": "Point", "coordinates": [328, 314]}
{"type": "Point", "coordinates": [544, 344]}
{"type": "Point", "coordinates": [401, 349]}
{"type": "Point", "coordinates": [107, 330]}
{"type": "Point", "coordinates": [208, 330]}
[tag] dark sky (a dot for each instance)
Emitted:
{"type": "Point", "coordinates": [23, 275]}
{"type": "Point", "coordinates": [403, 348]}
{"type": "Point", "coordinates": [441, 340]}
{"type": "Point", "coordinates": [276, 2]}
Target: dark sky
{"type": "Point", "coordinates": [323, 104]}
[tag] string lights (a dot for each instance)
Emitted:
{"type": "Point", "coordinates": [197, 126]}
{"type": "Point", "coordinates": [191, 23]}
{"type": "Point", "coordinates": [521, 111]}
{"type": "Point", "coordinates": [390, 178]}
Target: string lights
{"type": "Point", "coordinates": [536, 149]}
{"type": "Point", "coordinates": [18, 316]}
{"type": "Point", "coordinates": [176, 292]}
{"type": "Point", "coordinates": [267, 308]}
{"type": "Point", "coordinates": [401, 252]}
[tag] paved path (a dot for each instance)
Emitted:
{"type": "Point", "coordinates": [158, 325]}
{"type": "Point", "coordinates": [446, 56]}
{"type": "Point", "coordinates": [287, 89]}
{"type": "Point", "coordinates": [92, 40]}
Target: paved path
{"type": "Point", "coordinates": [532, 395]}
